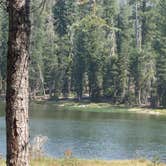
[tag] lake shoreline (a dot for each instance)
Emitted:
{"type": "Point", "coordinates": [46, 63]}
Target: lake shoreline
{"type": "Point", "coordinates": [104, 107]}
{"type": "Point", "coordinates": [71, 104]}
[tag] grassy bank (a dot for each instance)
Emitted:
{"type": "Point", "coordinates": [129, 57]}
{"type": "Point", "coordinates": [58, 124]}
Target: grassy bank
{"type": "Point", "coordinates": [103, 107]}
{"type": "Point", "coordinates": [86, 105]}
{"type": "Point", "coordinates": [76, 162]}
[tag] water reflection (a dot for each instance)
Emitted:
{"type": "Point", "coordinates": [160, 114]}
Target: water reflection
{"type": "Point", "coordinates": [96, 135]}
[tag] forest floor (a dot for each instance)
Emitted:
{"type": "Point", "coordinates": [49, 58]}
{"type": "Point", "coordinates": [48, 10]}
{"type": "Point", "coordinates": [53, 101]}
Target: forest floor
{"type": "Point", "coordinates": [77, 162]}
{"type": "Point", "coordinates": [86, 105]}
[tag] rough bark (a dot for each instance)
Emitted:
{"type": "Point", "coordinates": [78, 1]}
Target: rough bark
{"type": "Point", "coordinates": [17, 94]}
{"type": "Point", "coordinates": [0, 83]}
{"type": "Point", "coordinates": [137, 28]}
{"type": "Point", "coordinates": [143, 26]}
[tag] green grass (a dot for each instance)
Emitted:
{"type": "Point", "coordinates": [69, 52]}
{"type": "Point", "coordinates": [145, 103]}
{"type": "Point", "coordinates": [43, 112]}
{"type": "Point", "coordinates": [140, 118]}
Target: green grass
{"type": "Point", "coordinates": [77, 162]}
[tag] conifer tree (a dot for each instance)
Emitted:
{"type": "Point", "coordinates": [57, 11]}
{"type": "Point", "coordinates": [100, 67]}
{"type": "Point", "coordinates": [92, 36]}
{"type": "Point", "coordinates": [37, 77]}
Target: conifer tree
{"type": "Point", "coordinates": [161, 50]}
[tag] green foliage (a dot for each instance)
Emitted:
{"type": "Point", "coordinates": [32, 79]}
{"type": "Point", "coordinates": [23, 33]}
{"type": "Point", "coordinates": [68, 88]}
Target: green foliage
{"type": "Point", "coordinates": [161, 52]}
{"type": "Point", "coordinates": [89, 49]}
{"type": "Point", "coordinates": [61, 17]}
{"type": "Point", "coordinates": [110, 11]}
{"type": "Point", "coordinates": [79, 61]}
{"type": "Point", "coordinates": [101, 48]}
{"type": "Point", "coordinates": [124, 50]}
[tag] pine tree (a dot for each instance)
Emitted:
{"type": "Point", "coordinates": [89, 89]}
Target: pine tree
{"type": "Point", "coordinates": [123, 50]}
{"type": "Point", "coordinates": [79, 61]}
{"type": "Point", "coordinates": [61, 17]}
{"type": "Point", "coordinates": [64, 16]}
{"type": "Point", "coordinates": [17, 94]}
{"type": "Point", "coordinates": [3, 48]}
{"type": "Point", "coordinates": [38, 39]}
{"type": "Point", "coordinates": [144, 15]}
{"type": "Point", "coordinates": [161, 50]}
{"type": "Point", "coordinates": [110, 68]}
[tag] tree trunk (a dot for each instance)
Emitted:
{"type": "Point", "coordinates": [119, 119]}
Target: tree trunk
{"type": "Point", "coordinates": [41, 79]}
{"type": "Point", "coordinates": [17, 94]}
{"type": "Point", "coordinates": [137, 28]}
{"type": "Point", "coordinates": [0, 82]}
{"type": "Point", "coordinates": [143, 26]}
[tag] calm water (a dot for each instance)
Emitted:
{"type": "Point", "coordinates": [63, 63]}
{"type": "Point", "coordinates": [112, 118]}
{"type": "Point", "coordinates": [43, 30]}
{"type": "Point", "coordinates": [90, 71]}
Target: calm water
{"type": "Point", "coordinates": [96, 135]}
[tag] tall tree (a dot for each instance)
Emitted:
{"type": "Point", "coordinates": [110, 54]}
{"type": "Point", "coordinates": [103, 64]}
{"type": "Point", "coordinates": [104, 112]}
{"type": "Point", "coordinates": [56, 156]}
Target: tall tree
{"type": "Point", "coordinates": [161, 51]}
{"type": "Point", "coordinates": [64, 15]}
{"type": "Point", "coordinates": [123, 50]}
{"type": "Point", "coordinates": [144, 23]}
{"type": "Point", "coordinates": [3, 48]}
{"type": "Point", "coordinates": [38, 38]}
{"type": "Point", "coordinates": [110, 72]}
{"type": "Point", "coordinates": [79, 61]}
{"type": "Point", "coordinates": [17, 83]}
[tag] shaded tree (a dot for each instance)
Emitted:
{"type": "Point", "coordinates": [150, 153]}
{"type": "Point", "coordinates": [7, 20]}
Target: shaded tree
{"type": "Point", "coordinates": [17, 83]}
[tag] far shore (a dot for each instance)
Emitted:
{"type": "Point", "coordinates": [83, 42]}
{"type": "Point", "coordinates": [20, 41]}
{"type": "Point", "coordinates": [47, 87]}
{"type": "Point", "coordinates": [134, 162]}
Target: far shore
{"type": "Point", "coordinates": [101, 106]}
{"type": "Point", "coordinates": [71, 104]}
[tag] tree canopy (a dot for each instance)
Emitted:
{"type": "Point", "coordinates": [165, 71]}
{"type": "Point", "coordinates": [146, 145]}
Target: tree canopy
{"type": "Point", "coordinates": [101, 49]}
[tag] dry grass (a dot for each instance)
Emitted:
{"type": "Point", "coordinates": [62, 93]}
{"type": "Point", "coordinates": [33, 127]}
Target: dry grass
{"type": "Point", "coordinates": [76, 162]}
{"type": "Point", "coordinates": [106, 107]}
{"type": "Point", "coordinates": [2, 163]}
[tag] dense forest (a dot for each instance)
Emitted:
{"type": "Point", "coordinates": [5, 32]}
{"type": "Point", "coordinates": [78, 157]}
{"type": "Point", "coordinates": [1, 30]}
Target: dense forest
{"type": "Point", "coordinates": [96, 48]}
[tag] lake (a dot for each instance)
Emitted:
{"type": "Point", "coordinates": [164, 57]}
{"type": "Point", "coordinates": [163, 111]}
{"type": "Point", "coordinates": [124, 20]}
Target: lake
{"type": "Point", "coordinates": [95, 135]}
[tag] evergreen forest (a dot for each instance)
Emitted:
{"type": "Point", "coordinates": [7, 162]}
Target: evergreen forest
{"type": "Point", "coordinates": [100, 49]}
